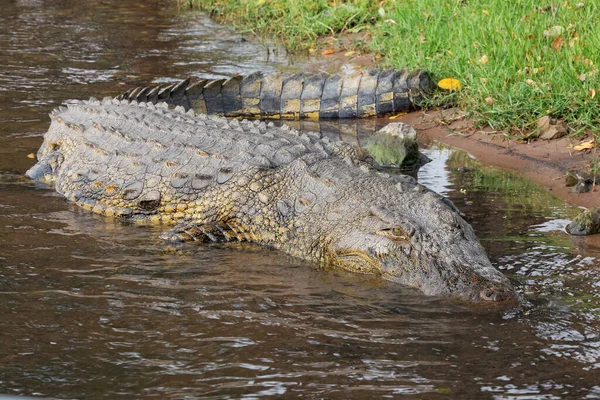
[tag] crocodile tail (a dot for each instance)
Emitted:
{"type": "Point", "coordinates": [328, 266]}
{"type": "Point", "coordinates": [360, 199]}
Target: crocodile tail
{"type": "Point", "coordinates": [358, 94]}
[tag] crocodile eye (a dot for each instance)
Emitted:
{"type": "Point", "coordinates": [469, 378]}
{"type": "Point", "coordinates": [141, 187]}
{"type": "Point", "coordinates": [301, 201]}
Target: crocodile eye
{"type": "Point", "coordinates": [396, 234]}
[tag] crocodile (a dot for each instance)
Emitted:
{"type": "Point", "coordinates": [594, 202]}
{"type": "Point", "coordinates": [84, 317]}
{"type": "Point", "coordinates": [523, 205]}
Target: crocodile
{"type": "Point", "coordinates": [357, 94]}
{"type": "Point", "coordinates": [207, 178]}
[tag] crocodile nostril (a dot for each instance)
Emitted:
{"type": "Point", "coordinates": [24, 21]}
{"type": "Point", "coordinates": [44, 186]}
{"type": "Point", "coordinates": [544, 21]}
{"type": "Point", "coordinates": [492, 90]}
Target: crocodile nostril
{"type": "Point", "coordinates": [495, 294]}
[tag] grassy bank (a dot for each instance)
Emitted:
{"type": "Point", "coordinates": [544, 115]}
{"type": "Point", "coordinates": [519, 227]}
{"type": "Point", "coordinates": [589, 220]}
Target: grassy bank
{"type": "Point", "coordinates": [517, 61]}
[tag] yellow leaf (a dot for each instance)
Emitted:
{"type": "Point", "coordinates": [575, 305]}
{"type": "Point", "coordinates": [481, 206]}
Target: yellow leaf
{"type": "Point", "coordinates": [260, 2]}
{"type": "Point", "coordinates": [592, 93]}
{"type": "Point", "coordinates": [327, 52]}
{"type": "Point", "coordinates": [31, 155]}
{"type": "Point", "coordinates": [584, 146]}
{"type": "Point", "coordinates": [486, 12]}
{"type": "Point", "coordinates": [483, 60]}
{"type": "Point", "coordinates": [398, 115]}
{"type": "Point", "coordinates": [450, 84]}
{"type": "Point", "coordinates": [350, 53]}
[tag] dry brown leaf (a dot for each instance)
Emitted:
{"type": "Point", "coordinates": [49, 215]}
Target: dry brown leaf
{"type": "Point", "coordinates": [584, 146]}
{"type": "Point", "coordinates": [327, 52]}
{"type": "Point", "coordinates": [557, 43]}
{"type": "Point", "coordinates": [489, 100]}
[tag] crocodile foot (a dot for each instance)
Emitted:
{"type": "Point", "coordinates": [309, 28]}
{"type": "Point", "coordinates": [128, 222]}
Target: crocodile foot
{"type": "Point", "coordinates": [206, 233]}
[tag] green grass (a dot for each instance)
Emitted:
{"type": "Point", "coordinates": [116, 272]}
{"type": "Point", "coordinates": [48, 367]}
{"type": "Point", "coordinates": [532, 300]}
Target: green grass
{"type": "Point", "coordinates": [508, 52]}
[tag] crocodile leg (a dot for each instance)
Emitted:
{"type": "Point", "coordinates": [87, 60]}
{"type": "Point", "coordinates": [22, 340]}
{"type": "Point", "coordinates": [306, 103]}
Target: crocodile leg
{"type": "Point", "coordinates": [204, 233]}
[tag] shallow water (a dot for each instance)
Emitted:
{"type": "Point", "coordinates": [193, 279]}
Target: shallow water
{"type": "Point", "coordinates": [93, 308]}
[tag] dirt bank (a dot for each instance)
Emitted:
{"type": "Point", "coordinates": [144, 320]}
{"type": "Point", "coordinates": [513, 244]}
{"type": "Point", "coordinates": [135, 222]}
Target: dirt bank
{"type": "Point", "coordinates": [542, 161]}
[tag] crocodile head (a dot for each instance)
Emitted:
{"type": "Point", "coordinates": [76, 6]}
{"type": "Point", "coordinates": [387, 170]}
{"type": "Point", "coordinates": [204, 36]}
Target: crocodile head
{"type": "Point", "coordinates": [424, 244]}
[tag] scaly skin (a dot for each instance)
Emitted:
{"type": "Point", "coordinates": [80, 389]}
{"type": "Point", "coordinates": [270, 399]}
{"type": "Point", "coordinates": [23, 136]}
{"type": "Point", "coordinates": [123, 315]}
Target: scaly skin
{"type": "Point", "coordinates": [359, 94]}
{"type": "Point", "coordinates": [218, 179]}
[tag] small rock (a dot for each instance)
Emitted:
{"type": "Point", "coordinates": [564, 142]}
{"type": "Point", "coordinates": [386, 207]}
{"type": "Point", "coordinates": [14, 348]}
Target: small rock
{"type": "Point", "coordinates": [586, 223]}
{"type": "Point", "coordinates": [571, 178]}
{"type": "Point", "coordinates": [582, 187]}
{"type": "Point", "coordinates": [395, 145]}
{"type": "Point", "coordinates": [400, 130]}
{"type": "Point", "coordinates": [581, 181]}
{"type": "Point", "coordinates": [550, 128]}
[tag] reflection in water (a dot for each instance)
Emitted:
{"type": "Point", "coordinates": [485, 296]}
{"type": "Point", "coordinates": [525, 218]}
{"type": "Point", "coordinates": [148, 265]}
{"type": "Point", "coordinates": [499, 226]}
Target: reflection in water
{"type": "Point", "coordinates": [93, 307]}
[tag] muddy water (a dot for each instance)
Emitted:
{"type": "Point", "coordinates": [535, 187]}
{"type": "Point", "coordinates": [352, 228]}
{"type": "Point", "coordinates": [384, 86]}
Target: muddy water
{"type": "Point", "coordinates": [91, 308]}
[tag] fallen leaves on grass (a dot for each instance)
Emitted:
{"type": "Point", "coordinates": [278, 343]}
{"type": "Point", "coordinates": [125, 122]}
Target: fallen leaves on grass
{"type": "Point", "coordinates": [450, 84]}
{"type": "Point", "coordinates": [557, 43]}
{"type": "Point", "coordinates": [483, 60]}
{"type": "Point", "coordinates": [553, 32]}
{"type": "Point", "coordinates": [584, 146]}
{"type": "Point", "coordinates": [327, 52]}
